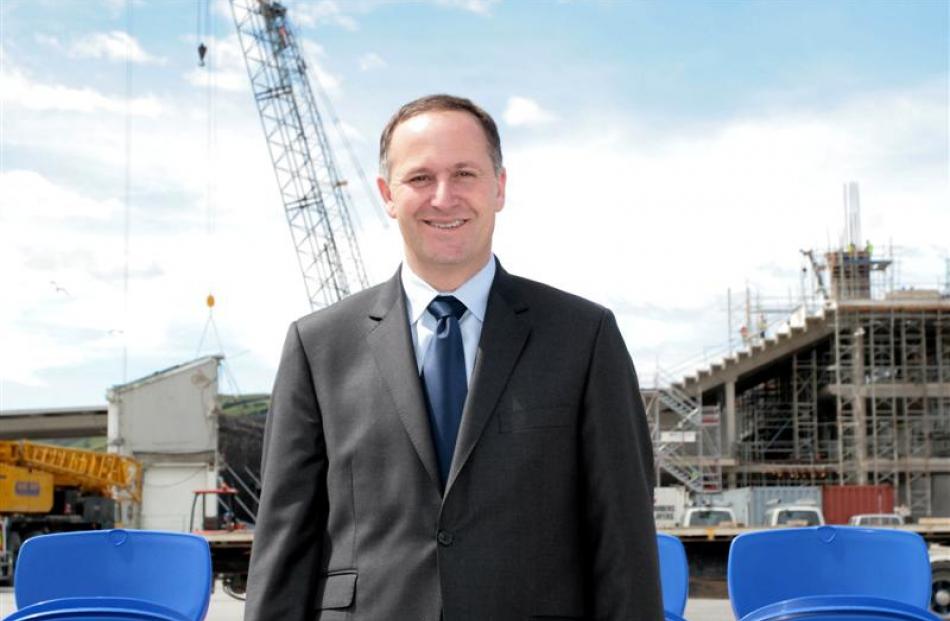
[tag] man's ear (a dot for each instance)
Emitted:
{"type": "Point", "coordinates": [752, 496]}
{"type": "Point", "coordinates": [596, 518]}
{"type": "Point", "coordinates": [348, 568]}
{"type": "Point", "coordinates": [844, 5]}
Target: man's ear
{"type": "Point", "coordinates": [386, 193]}
{"type": "Point", "coordinates": [502, 180]}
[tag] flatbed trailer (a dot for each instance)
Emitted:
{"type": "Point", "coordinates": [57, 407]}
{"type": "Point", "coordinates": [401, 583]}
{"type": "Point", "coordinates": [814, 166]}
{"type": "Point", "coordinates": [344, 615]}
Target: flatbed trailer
{"type": "Point", "coordinates": [938, 533]}
{"type": "Point", "coordinates": [707, 549]}
{"type": "Point", "coordinates": [230, 558]}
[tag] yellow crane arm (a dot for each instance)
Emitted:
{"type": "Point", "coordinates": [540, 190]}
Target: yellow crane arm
{"type": "Point", "coordinates": [112, 475]}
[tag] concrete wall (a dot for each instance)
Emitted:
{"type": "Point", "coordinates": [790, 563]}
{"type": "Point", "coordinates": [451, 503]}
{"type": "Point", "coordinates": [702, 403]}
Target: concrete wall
{"type": "Point", "coordinates": [167, 493]}
{"type": "Point", "coordinates": [169, 422]}
{"type": "Point", "coordinates": [171, 411]}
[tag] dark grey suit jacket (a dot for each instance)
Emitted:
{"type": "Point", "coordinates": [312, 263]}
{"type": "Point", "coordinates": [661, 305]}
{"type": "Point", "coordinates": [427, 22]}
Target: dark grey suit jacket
{"type": "Point", "coordinates": [547, 512]}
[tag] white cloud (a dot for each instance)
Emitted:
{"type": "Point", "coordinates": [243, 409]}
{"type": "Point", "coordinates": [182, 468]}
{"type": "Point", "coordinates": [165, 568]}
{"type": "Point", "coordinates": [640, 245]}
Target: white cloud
{"type": "Point", "coordinates": [329, 81]}
{"type": "Point", "coordinates": [656, 226]}
{"type": "Point", "coordinates": [47, 40]}
{"type": "Point", "coordinates": [312, 50]}
{"type": "Point", "coordinates": [115, 45]}
{"type": "Point", "coordinates": [50, 234]}
{"type": "Point", "coordinates": [674, 220]}
{"type": "Point", "coordinates": [119, 7]}
{"type": "Point", "coordinates": [371, 60]}
{"type": "Point", "coordinates": [311, 14]}
{"type": "Point", "coordinates": [21, 91]}
{"type": "Point", "coordinates": [480, 7]}
{"type": "Point", "coordinates": [527, 112]}
{"type": "Point", "coordinates": [222, 8]}
{"type": "Point", "coordinates": [30, 197]}
{"type": "Point", "coordinates": [173, 260]}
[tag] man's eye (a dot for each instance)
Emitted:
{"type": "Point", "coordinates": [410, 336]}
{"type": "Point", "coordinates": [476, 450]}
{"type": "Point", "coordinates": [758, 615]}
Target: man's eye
{"type": "Point", "coordinates": [465, 173]}
{"type": "Point", "coordinates": [417, 179]}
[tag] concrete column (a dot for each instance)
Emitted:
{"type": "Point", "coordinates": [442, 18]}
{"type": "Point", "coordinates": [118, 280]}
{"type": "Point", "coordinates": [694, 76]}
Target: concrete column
{"type": "Point", "coordinates": [728, 446]}
{"type": "Point", "coordinates": [859, 406]}
{"type": "Point", "coordinates": [729, 441]}
{"type": "Point", "coordinates": [114, 442]}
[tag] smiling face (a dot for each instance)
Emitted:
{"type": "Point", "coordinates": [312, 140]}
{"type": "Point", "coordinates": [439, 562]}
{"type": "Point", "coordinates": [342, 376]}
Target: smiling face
{"type": "Point", "coordinates": [444, 193]}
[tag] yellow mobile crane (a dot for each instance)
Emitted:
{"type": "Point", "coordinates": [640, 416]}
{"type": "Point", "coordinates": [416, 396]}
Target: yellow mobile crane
{"type": "Point", "coordinates": [47, 489]}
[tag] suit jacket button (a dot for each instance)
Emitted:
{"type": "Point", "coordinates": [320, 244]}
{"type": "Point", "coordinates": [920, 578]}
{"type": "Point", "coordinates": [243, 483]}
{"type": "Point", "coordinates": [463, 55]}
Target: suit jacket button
{"type": "Point", "coordinates": [445, 538]}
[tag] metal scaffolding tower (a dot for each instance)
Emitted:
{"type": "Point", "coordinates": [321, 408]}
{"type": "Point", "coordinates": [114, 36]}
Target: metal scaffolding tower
{"type": "Point", "coordinates": [686, 437]}
{"type": "Point", "coordinates": [896, 369]}
{"type": "Point", "coordinates": [314, 196]}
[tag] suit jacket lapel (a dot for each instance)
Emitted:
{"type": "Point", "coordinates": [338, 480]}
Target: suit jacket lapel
{"type": "Point", "coordinates": [391, 342]}
{"type": "Point", "coordinates": [504, 334]}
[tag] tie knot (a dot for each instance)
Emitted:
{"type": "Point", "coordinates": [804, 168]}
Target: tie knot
{"type": "Point", "coordinates": [445, 305]}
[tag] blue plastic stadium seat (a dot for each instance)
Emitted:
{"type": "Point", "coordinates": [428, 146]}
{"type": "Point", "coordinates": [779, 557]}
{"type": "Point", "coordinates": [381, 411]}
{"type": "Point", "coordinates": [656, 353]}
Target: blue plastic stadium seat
{"type": "Point", "coordinates": [674, 575]}
{"type": "Point", "coordinates": [113, 574]}
{"type": "Point", "coordinates": [841, 608]}
{"type": "Point", "coordinates": [829, 573]}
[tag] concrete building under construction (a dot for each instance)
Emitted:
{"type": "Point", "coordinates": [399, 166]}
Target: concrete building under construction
{"type": "Point", "coordinates": [855, 390]}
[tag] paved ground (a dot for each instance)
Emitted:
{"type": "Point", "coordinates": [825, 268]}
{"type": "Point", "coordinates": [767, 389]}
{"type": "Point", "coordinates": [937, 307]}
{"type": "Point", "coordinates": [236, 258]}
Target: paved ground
{"type": "Point", "coordinates": [224, 608]}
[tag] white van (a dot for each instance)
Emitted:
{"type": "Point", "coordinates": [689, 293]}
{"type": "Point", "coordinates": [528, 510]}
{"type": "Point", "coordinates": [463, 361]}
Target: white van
{"type": "Point", "coordinates": [794, 515]}
{"type": "Point", "coordinates": [876, 519]}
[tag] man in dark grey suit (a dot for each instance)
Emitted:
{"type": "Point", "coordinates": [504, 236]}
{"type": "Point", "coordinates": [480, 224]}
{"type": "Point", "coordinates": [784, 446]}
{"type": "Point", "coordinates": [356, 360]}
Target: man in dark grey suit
{"type": "Point", "coordinates": [457, 442]}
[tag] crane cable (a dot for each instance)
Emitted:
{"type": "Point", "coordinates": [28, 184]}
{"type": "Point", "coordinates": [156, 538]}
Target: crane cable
{"type": "Point", "coordinates": [127, 191]}
{"type": "Point", "coordinates": [204, 32]}
{"type": "Point", "coordinates": [200, 32]}
{"type": "Point", "coordinates": [370, 192]}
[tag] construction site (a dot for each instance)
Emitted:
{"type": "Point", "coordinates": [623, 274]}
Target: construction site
{"type": "Point", "coordinates": [850, 387]}
{"type": "Point", "coordinates": [853, 391]}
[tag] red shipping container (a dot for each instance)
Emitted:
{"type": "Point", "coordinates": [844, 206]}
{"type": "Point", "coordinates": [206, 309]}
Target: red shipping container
{"type": "Point", "coordinates": [840, 502]}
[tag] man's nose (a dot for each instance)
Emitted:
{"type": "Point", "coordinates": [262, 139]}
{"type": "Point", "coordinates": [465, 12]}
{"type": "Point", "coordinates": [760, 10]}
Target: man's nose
{"type": "Point", "coordinates": [442, 194]}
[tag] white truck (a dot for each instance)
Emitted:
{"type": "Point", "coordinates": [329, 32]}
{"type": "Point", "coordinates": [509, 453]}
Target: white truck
{"type": "Point", "coordinates": [876, 520]}
{"type": "Point", "coordinates": [802, 514]}
{"type": "Point", "coordinates": [709, 516]}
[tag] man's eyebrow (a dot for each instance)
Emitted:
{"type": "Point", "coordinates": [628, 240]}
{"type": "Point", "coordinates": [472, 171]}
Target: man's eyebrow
{"type": "Point", "coordinates": [415, 170]}
{"type": "Point", "coordinates": [426, 169]}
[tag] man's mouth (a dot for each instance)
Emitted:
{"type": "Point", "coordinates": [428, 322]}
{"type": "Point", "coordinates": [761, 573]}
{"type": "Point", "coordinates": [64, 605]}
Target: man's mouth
{"type": "Point", "coordinates": [445, 225]}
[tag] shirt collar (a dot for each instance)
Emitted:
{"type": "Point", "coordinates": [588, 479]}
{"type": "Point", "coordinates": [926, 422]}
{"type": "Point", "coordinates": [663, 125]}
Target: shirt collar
{"type": "Point", "coordinates": [473, 293]}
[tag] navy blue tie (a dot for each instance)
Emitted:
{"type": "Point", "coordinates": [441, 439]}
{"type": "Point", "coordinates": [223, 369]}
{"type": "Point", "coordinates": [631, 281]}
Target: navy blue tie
{"type": "Point", "coordinates": [443, 373]}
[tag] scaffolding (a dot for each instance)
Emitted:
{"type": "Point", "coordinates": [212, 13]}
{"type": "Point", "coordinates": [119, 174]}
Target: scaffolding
{"type": "Point", "coordinates": [858, 393]}
{"type": "Point", "coordinates": [892, 396]}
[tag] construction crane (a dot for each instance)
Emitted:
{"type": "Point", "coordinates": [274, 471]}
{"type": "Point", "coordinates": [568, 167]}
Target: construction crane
{"type": "Point", "coordinates": [314, 195]}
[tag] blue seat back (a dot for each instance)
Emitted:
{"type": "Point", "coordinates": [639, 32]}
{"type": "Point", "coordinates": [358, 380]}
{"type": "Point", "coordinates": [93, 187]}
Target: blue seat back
{"type": "Point", "coordinates": [840, 608]}
{"type": "Point", "coordinates": [172, 570]}
{"type": "Point", "coordinates": [770, 566]}
{"type": "Point", "coordinates": [674, 573]}
{"type": "Point", "coordinates": [95, 609]}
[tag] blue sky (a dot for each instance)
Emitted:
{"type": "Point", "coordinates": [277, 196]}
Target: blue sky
{"type": "Point", "coordinates": [658, 154]}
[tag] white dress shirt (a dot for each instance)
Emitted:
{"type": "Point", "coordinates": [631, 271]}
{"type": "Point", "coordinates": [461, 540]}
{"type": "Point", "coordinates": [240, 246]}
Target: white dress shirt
{"type": "Point", "coordinates": [473, 293]}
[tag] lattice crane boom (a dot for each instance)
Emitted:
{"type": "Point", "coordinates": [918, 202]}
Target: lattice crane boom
{"type": "Point", "coordinates": [315, 200]}
{"type": "Point", "coordinates": [114, 476]}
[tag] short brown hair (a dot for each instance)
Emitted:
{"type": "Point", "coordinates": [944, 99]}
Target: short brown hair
{"type": "Point", "coordinates": [440, 103]}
